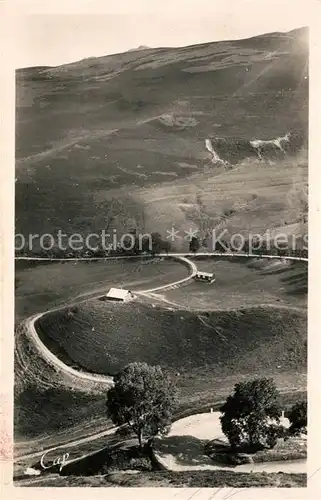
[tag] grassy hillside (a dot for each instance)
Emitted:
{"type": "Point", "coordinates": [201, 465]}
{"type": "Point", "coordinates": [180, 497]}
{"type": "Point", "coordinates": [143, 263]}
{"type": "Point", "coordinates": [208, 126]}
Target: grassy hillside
{"type": "Point", "coordinates": [104, 336]}
{"type": "Point", "coordinates": [91, 134]}
{"type": "Point", "coordinates": [211, 335]}
{"type": "Point", "coordinates": [242, 284]}
{"type": "Point", "coordinates": [207, 352]}
{"type": "Point", "coordinates": [252, 198]}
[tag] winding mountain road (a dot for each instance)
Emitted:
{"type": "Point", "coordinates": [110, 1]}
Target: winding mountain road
{"type": "Point", "coordinates": [50, 358]}
{"type": "Point", "coordinates": [31, 331]}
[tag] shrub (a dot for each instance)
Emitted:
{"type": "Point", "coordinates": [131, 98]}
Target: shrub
{"type": "Point", "coordinates": [298, 417]}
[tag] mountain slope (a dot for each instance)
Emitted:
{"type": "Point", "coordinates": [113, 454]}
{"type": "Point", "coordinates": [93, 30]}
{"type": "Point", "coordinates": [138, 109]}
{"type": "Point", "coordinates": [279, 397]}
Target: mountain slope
{"type": "Point", "coordinates": [141, 118]}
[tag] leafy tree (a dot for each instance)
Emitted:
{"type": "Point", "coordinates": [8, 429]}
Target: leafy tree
{"type": "Point", "coordinates": [194, 244]}
{"type": "Point", "coordinates": [143, 398]}
{"type": "Point", "coordinates": [249, 413]}
{"type": "Point", "coordinates": [298, 417]}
